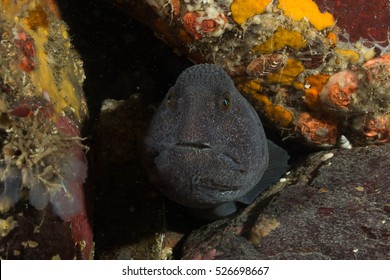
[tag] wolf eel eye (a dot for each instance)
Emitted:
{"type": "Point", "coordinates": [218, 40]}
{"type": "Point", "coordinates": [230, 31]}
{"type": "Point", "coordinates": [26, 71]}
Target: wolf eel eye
{"type": "Point", "coordinates": [226, 104]}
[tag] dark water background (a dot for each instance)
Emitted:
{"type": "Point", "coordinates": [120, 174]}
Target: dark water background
{"type": "Point", "coordinates": [121, 57]}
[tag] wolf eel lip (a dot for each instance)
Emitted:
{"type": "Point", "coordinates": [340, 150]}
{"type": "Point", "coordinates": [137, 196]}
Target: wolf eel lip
{"type": "Point", "coordinates": [230, 159]}
{"type": "Point", "coordinates": [199, 146]}
{"type": "Point", "coordinates": [205, 147]}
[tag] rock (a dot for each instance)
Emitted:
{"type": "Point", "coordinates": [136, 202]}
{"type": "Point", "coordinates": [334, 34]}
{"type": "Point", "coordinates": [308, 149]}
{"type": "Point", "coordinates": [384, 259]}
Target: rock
{"type": "Point", "coordinates": [43, 235]}
{"type": "Point", "coordinates": [309, 78]}
{"type": "Point", "coordinates": [329, 208]}
{"type": "Point", "coordinates": [370, 18]}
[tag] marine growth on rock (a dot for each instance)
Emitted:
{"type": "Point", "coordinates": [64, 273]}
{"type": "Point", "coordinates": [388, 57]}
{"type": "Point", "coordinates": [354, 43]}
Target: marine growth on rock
{"type": "Point", "coordinates": [290, 59]}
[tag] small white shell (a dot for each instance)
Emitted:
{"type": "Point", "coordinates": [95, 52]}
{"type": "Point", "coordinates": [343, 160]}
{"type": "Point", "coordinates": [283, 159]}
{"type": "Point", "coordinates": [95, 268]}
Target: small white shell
{"type": "Point", "coordinates": [344, 143]}
{"type": "Point", "coordinates": [327, 156]}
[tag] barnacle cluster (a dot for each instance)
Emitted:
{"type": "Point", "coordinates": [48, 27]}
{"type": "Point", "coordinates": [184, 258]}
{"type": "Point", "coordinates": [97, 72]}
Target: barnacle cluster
{"type": "Point", "coordinates": [293, 62]}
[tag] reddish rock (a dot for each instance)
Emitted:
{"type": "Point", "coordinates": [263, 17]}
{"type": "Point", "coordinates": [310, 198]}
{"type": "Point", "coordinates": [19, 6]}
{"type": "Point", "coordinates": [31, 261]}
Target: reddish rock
{"type": "Point", "coordinates": [360, 18]}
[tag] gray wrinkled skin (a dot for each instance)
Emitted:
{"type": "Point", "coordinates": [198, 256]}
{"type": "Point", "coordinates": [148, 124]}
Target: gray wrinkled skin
{"type": "Point", "coordinates": [205, 144]}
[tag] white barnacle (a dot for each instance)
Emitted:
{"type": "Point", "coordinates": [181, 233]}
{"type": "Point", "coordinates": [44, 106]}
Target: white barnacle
{"type": "Point", "coordinates": [265, 64]}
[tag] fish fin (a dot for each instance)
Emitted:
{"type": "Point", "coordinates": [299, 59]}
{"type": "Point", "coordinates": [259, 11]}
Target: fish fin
{"type": "Point", "coordinates": [277, 166]}
{"type": "Point", "coordinates": [220, 211]}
